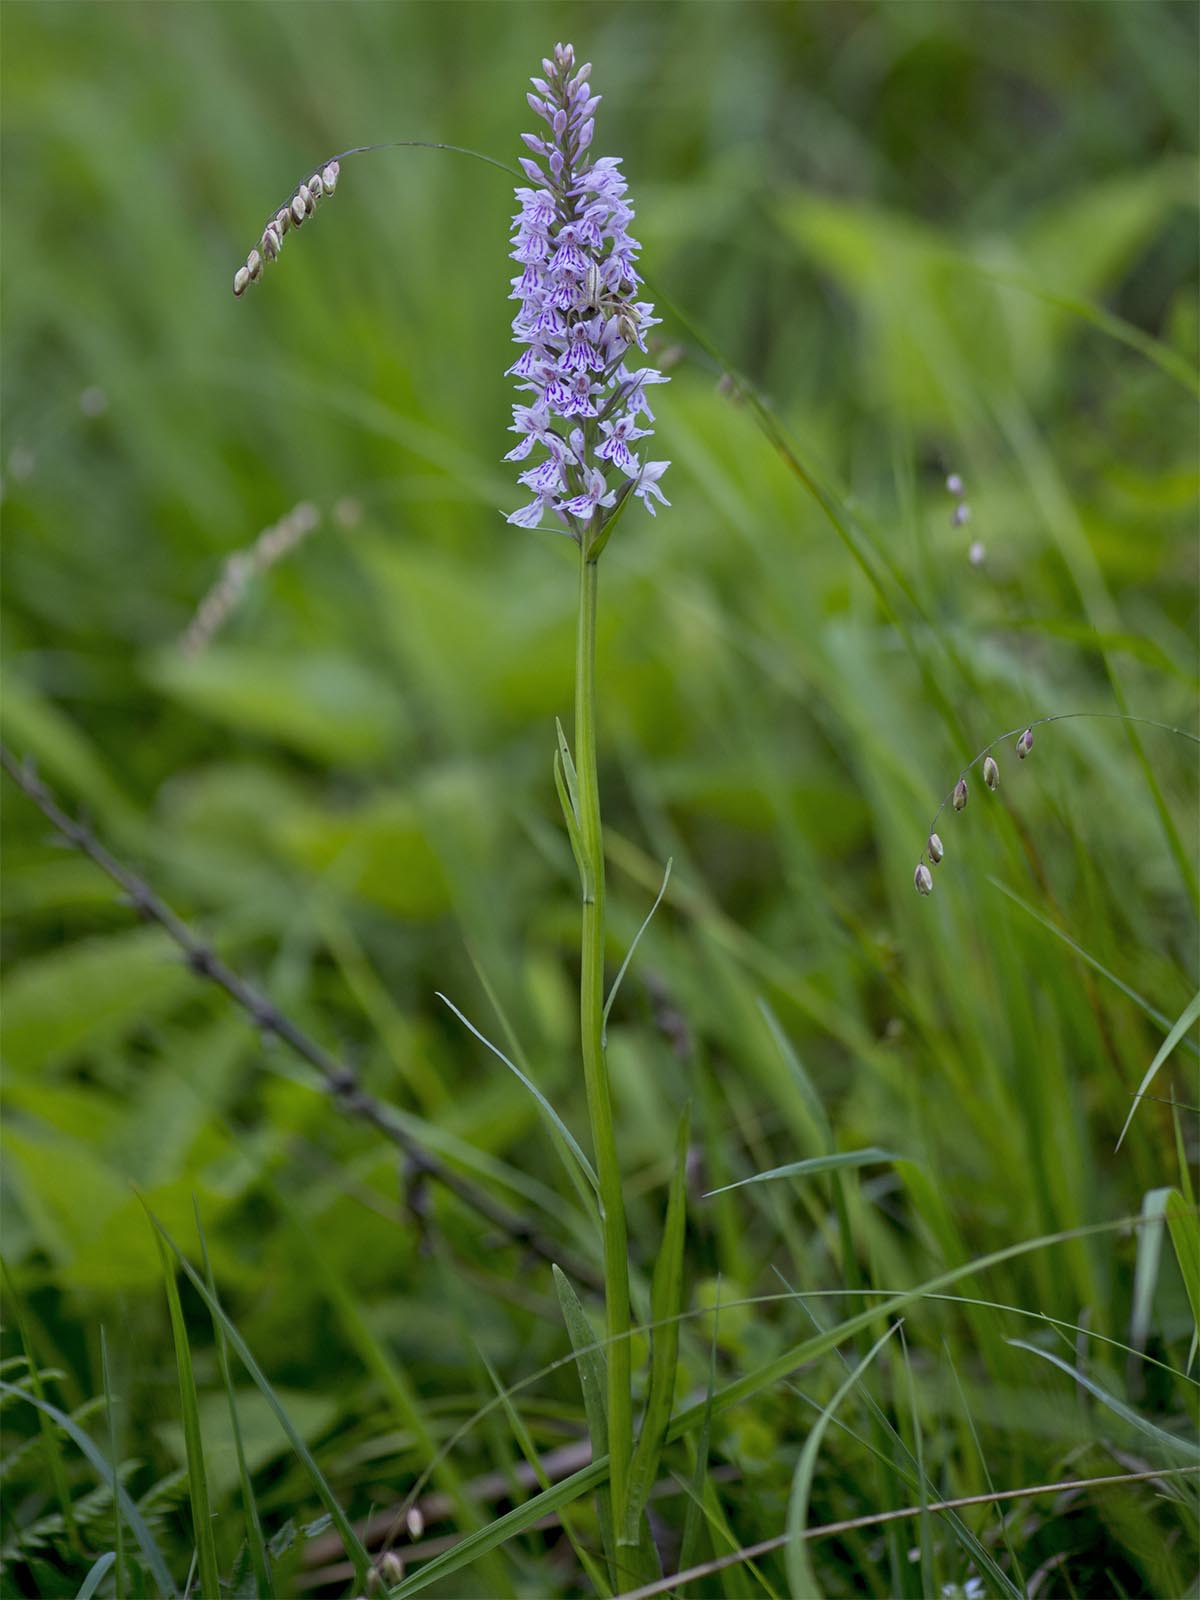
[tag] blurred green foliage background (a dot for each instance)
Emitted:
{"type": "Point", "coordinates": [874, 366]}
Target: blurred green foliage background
{"type": "Point", "coordinates": [935, 236]}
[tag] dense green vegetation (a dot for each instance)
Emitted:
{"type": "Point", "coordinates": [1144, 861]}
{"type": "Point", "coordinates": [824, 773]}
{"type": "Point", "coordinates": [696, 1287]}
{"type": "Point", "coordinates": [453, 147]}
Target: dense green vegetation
{"type": "Point", "coordinates": [933, 238]}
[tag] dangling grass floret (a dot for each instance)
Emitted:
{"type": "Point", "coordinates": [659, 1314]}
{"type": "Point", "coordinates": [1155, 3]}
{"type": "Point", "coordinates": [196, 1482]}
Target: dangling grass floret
{"type": "Point", "coordinates": [299, 208]}
{"type": "Point", "coordinates": [923, 879]}
{"type": "Point", "coordinates": [1023, 737]}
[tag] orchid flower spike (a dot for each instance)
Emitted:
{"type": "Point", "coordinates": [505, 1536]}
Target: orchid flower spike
{"type": "Point", "coordinates": [578, 320]}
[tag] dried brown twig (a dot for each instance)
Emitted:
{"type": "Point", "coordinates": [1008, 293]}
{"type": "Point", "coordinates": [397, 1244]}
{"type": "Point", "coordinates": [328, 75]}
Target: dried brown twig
{"type": "Point", "coordinates": [340, 1080]}
{"type": "Point", "coordinates": [875, 1519]}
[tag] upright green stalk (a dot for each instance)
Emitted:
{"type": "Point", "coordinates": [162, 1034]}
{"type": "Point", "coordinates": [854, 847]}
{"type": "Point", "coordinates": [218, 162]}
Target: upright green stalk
{"type": "Point", "coordinates": [591, 1024]}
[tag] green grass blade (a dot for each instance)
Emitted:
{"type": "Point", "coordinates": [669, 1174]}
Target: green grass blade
{"type": "Point", "coordinates": [569, 818]}
{"type": "Point", "coordinates": [1086, 956]}
{"type": "Point", "coordinates": [255, 1542]}
{"type": "Point", "coordinates": [54, 1457]}
{"type": "Point", "coordinates": [1168, 1442]}
{"type": "Point", "coordinates": [801, 1577]}
{"type": "Point", "coordinates": [557, 1122]}
{"type": "Point", "coordinates": [689, 1545]}
{"type": "Point", "coordinates": [527, 1448]}
{"type": "Point", "coordinates": [193, 1441]}
{"type": "Point", "coordinates": [637, 939]}
{"type": "Point", "coordinates": [151, 1552]}
{"type": "Point", "coordinates": [359, 1558]}
{"type": "Point", "coordinates": [118, 1531]}
{"type": "Point", "coordinates": [1146, 1265]}
{"type": "Point", "coordinates": [97, 1575]}
{"type": "Point", "coordinates": [666, 1302]}
{"type": "Point", "coordinates": [808, 1094]}
{"type": "Point", "coordinates": [1185, 1236]}
{"type": "Point", "coordinates": [593, 1381]}
{"type": "Point", "coordinates": [814, 1165]}
{"type": "Point", "coordinates": [1186, 1020]}
{"type": "Point", "coordinates": [562, 1494]}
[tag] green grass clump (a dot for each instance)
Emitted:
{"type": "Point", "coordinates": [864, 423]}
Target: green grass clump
{"type": "Point", "coordinates": [919, 1242]}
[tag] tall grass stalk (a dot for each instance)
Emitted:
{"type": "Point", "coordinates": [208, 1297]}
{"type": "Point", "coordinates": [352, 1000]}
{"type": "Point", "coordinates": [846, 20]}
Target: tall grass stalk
{"type": "Point", "coordinates": [591, 1027]}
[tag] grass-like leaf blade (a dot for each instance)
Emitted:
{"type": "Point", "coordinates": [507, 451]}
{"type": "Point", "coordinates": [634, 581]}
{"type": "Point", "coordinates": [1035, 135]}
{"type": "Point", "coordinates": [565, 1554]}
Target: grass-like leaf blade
{"type": "Point", "coordinates": [666, 1302]}
{"type": "Point", "coordinates": [801, 1577]}
{"type": "Point", "coordinates": [193, 1441]}
{"type": "Point", "coordinates": [359, 1558]}
{"type": "Point", "coordinates": [153, 1555]}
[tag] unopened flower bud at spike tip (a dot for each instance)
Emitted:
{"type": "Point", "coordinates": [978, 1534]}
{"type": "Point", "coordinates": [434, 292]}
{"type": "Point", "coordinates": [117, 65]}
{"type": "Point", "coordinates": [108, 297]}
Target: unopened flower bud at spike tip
{"type": "Point", "coordinates": [936, 848]}
{"type": "Point", "coordinates": [1025, 743]}
{"type": "Point", "coordinates": [960, 794]}
{"type": "Point", "coordinates": [923, 879]}
{"type": "Point", "coordinates": [991, 773]}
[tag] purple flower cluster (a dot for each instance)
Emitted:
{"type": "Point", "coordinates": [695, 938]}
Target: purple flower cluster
{"type": "Point", "coordinates": [578, 319]}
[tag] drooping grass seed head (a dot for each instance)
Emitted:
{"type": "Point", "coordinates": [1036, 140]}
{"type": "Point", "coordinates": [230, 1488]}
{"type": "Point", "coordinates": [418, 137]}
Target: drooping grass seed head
{"type": "Point", "coordinates": [935, 848]}
{"type": "Point", "coordinates": [960, 794]}
{"type": "Point", "coordinates": [298, 209]}
{"type": "Point", "coordinates": [991, 773]}
{"type": "Point", "coordinates": [961, 515]}
{"type": "Point", "coordinates": [923, 879]}
{"type": "Point", "coordinates": [1025, 743]}
{"type": "Point", "coordinates": [955, 484]}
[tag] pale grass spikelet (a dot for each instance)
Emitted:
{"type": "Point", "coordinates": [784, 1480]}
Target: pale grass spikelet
{"type": "Point", "coordinates": [299, 207]}
{"type": "Point", "coordinates": [1022, 737]}
{"type": "Point", "coordinates": [271, 545]}
{"type": "Point", "coordinates": [923, 879]}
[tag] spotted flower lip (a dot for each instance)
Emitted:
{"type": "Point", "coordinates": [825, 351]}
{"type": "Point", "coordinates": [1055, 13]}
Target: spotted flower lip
{"type": "Point", "coordinates": [577, 318]}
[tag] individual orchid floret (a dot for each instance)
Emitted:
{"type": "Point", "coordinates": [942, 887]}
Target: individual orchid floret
{"type": "Point", "coordinates": [577, 320]}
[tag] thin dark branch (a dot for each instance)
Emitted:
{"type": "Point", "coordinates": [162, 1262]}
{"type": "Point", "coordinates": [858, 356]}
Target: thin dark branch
{"type": "Point", "coordinates": [340, 1079]}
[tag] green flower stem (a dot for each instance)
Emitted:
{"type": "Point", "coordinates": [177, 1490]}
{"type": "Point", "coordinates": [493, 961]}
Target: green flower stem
{"type": "Point", "coordinates": [595, 1068]}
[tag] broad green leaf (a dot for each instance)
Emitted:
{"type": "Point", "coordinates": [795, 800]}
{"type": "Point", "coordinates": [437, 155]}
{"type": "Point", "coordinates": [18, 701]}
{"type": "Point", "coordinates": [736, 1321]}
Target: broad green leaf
{"type": "Point", "coordinates": [69, 1001]}
{"type": "Point", "coordinates": [324, 705]}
